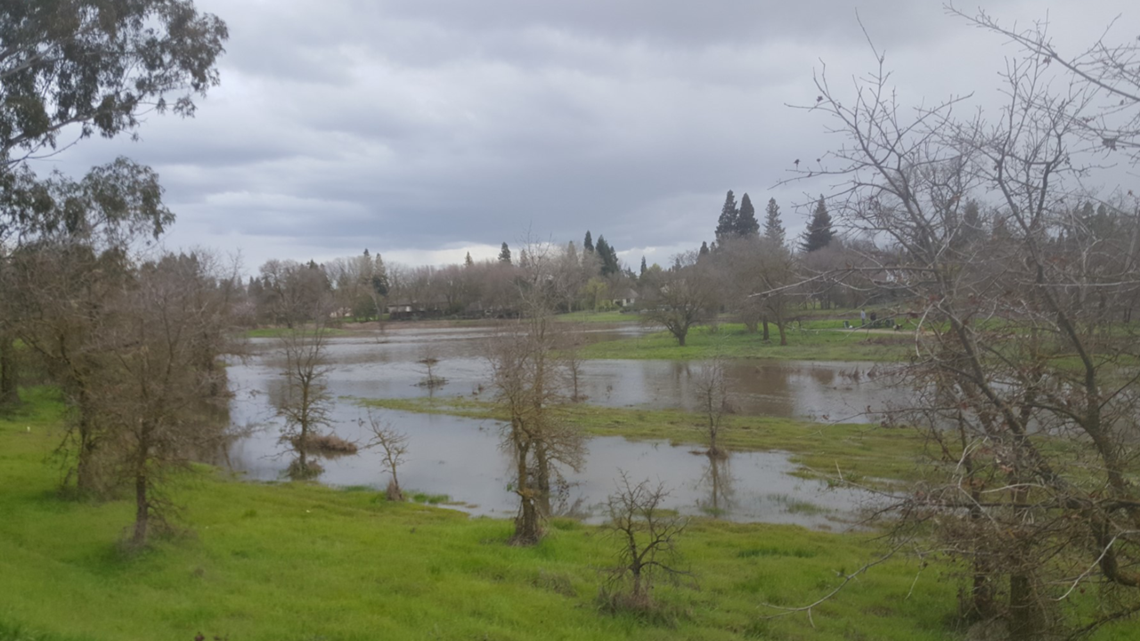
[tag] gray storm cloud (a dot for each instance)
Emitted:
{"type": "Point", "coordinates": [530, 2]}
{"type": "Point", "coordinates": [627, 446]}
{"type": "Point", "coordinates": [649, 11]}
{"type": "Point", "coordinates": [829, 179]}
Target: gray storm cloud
{"type": "Point", "coordinates": [424, 128]}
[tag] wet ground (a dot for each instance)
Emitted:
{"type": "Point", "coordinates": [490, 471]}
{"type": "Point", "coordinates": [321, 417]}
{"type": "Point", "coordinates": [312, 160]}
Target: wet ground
{"type": "Point", "coordinates": [462, 458]}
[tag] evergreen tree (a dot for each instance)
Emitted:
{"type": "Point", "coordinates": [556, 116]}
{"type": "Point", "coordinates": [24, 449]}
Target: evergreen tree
{"type": "Point", "coordinates": [505, 254]}
{"type": "Point", "coordinates": [643, 267]}
{"type": "Point", "coordinates": [608, 256]}
{"type": "Point", "coordinates": [773, 226]}
{"type": "Point", "coordinates": [588, 244]}
{"type": "Point", "coordinates": [726, 224]}
{"type": "Point", "coordinates": [819, 232]}
{"type": "Point", "coordinates": [467, 262]}
{"type": "Point", "coordinates": [746, 223]}
{"type": "Point", "coordinates": [704, 250]}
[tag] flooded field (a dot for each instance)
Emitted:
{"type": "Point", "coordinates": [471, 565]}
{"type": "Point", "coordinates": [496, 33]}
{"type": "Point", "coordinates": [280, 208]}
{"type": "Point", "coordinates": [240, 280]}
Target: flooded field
{"type": "Point", "coordinates": [462, 459]}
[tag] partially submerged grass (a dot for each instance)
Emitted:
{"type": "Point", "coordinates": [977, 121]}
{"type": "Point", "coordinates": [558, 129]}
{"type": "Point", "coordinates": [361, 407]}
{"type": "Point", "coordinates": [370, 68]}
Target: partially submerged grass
{"type": "Point", "coordinates": [300, 561]}
{"type": "Point", "coordinates": [857, 452]}
{"type": "Point", "coordinates": [823, 340]}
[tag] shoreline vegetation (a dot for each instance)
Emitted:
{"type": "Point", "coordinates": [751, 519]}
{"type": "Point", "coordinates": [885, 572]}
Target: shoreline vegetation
{"type": "Point", "coordinates": [815, 337]}
{"type": "Point", "coordinates": [861, 452]}
{"type": "Point", "coordinates": [297, 560]}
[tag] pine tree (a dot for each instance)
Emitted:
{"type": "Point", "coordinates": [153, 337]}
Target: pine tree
{"type": "Point", "coordinates": [505, 254]}
{"type": "Point", "coordinates": [467, 262]}
{"type": "Point", "coordinates": [746, 223]}
{"type": "Point", "coordinates": [608, 256]}
{"type": "Point", "coordinates": [643, 266]}
{"type": "Point", "coordinates": [819, 232]}
{"type": "Point", "coordinates": [588, 244]}
{"type": "Point", "coordinates": [704, 250]}
{"type": "Point", "coordinates": [773, 226]}
{"type": "Point", "coordinates": [726, 224]}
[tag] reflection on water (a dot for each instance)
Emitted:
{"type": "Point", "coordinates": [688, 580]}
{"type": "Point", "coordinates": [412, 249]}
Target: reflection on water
{"type": "Point", "coordinates": [462, 457]}
{"type": "Point", "coordinates": [387, 367]}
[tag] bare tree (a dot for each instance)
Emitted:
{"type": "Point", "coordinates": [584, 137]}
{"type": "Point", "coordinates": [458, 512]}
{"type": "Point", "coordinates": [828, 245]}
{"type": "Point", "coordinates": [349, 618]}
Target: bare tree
{"type": "Point", "coordinates": [712, 396]}
{"type": "Point", "coordinates": [1021, 354]}
{"type": "Point", "coordinates": [159, 390]}
{"type": "Point", "coordinates": [683, 297]}
{"type": "Point", "coordinates": [529, 380]}
{"type": "Point", "coordinates": [305, 402]}
{"type": "Point", "coordinates": [394, 444]}
{"type": "Point", "coordinates": [646, 537]}
{"type": "Point", "coordinates": [571, 356]}
{"type": "Point", "coordinates": [431, 381]}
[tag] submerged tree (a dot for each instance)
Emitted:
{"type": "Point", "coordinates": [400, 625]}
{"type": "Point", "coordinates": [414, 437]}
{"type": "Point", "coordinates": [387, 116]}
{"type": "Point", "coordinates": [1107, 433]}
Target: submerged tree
{"type": "Point", "coordinates": [394, 445]}
{"type": "Point", "coordinates": [305, 401]}
{"type": "Point", "coordinates": [711, 386]}
{"type": "Point", "coordinates": [529, 379]}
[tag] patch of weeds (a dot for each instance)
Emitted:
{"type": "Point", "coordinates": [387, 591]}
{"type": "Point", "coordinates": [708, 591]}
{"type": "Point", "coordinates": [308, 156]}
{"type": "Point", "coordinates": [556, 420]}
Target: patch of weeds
{"type": "Point", "coordinates": [752, 553]}
{"type": "Point", "coordinates": [554, 582]}
{"type": "Point", "coordinates": [429, 499]}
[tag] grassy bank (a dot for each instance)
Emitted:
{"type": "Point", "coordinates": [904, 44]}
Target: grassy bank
{"type": "Point", "coordinates": [859, 451]}
{"type": "Point", "coordinates": [300, 562]}
{"type": "Point", "coordinates": [822, 340]}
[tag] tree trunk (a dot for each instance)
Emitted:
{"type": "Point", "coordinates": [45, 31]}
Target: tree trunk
{"type": "Point", "coordinates": [765, 322]}
{"type": "Point", "coordinates": [542, 479]}
{"type": "Point", "coordinates": [142, 505]}
{"type": "Point", "coordinates": [526, 525]}
{"type": "Point", "coordinates": [783, 334]}
{"type": "Point", "coordinates": [86, 470]}
{"type": "Point", "coordinates": [9, 373]}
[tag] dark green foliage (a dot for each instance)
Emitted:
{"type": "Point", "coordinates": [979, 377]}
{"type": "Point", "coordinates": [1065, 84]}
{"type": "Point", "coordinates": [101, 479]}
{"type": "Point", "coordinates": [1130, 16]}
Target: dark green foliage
{"type": "Point", "coordinates": [773, 226]}
{"type": "Point", "coordinates": [819, 232]}
{"type": "Point", "coordinates": [588, 243]}
{"type": "Point", "coordinates": [746, 224]}
{"type": "Point", "coordinates": [704, 249]}
{"type": "Point", "coordinates": [726, 224]}
{"type": "Point", "coordinates": [98, 64]}
{"type": "Point", "coordinates": [610, 263]}
{"type": "Point", "coordinates": [643, 267]}
{"type": "Point", "coordinates": [505, 254]}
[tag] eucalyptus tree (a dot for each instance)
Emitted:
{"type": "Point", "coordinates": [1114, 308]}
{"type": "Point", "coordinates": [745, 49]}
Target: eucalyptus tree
{"type": "Point", "coordinates": [81, 68]}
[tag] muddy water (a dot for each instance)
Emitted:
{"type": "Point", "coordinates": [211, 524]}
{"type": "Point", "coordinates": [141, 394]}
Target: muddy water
{"type": "Point", "coordinates": [461, 458]}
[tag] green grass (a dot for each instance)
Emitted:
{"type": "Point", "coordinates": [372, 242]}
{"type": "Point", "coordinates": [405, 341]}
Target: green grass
{"type": "Point", "coordinates": [599, 317]}
{"type": "Point", "coordinates": [860, 452]}
{"type": "Point", "coordinates": [302, 562]}
{"type": "Point", "coordinates": [817, 340]}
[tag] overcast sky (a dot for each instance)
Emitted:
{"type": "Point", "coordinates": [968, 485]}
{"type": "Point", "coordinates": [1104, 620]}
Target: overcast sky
{"type": "Point", "coordinates": [423, 129]}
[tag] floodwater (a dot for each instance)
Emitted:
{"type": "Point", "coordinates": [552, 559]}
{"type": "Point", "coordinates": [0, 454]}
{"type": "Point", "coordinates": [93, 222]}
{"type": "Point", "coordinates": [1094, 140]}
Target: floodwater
{"type": "Point", "coordinates": [462, 458]}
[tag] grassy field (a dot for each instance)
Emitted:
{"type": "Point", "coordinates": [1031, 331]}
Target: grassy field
{"type": "Point", "coordinates": [298, 561]}
{"type": "Point", "coordinates": [816, 340]}
{"type": "Point", "coordinates": [301, 562]}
